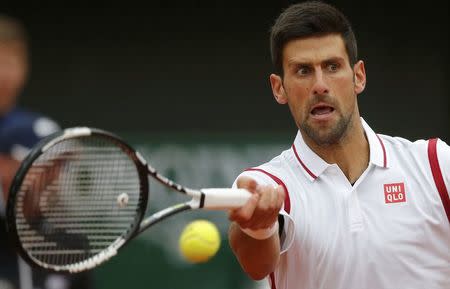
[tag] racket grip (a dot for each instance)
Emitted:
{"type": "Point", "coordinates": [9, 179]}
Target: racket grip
{"type": "Point", "coordinates": [224, 199]}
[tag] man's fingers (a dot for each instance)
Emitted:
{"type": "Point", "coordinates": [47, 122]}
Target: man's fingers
{"type": "Point", "coordinates": [266, 211]}
{"type": "Point", "coordinates": [243, 214]}
{"type": "Point", "coordinates": [270, 205]}
{"type": "Point", "coordinates": [281, 195]}
{"type": "Point", "coordinates": [262, 209]}
{"type": "Point", "coordinates": [248, 183]}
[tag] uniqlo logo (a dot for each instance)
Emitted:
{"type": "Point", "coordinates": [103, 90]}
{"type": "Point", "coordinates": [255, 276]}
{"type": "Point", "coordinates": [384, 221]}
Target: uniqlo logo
{"type": "Point", "coordinates": [394, 193]}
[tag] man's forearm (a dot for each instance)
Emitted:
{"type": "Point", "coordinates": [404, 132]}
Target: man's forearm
{"type": "Point", "coordinates": [258, 258]}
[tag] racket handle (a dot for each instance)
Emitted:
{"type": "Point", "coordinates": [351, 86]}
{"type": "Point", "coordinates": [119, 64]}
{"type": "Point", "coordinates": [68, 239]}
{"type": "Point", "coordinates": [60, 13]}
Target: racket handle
{"type": "Point", "coordinates": [224, 199]}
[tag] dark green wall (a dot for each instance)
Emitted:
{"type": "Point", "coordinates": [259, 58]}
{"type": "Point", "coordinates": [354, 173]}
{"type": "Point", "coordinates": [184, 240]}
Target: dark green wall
{"type": "Point", "coordinates": [204, 65]}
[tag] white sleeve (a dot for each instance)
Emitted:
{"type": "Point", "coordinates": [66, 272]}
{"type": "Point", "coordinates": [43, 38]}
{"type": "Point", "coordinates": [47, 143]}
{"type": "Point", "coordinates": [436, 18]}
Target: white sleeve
{"type": "Point", "coordinates": [287, 235]}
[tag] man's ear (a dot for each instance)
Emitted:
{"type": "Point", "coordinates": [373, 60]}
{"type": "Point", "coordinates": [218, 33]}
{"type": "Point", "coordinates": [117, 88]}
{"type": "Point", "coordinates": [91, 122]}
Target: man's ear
{"type": "Point", "coordinates": [277, 89]}
{"type": "Point", "coordinates": [360, 76]}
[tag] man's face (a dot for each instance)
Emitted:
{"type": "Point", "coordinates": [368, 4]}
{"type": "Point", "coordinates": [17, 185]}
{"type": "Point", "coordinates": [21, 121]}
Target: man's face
{"type": "Point", "coordinates": [13, 68]}
{"type": "Point", "coordinates": [320, 87]}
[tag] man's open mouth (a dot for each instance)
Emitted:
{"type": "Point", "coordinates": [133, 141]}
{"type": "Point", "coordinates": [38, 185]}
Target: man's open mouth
{"type": "Point", "coordinates": [322, 109]}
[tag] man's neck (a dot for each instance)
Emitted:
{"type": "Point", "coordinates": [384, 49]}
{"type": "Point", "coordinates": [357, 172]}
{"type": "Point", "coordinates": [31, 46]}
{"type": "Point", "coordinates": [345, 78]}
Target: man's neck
{"type": "Point", "coordinates": [351, 154]}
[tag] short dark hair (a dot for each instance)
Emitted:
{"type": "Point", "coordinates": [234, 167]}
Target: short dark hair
{"type": "Point", "coordinates": [307, 19]}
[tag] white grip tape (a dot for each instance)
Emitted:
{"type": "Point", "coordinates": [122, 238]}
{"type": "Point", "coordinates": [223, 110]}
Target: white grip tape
{"type": "Point", "coordinates": [223, 199]}
{"type": "Point", "coordinates": [262, 234]}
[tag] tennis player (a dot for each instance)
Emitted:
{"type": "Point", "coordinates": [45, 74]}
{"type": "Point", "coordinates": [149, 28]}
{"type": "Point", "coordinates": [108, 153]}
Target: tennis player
{"type": "Point", "coordinates": [344, 207]}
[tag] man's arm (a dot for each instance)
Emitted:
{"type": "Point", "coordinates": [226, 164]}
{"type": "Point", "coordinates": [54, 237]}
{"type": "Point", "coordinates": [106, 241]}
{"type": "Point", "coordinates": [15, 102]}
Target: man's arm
{"type": "Point", "coordinates": [258, 258]}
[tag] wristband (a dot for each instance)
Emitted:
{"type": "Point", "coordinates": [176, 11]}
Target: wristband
{"type": "Point", "coordinates": [262, 234]}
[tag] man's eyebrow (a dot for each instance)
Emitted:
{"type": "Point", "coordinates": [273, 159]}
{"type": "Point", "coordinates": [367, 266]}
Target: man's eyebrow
{"type": "Point", "coordinates": [300, 62]}
{"type": "Point", "coordinates": [295, 62]}
{"type": "Point", "coordinates": [334, 59]}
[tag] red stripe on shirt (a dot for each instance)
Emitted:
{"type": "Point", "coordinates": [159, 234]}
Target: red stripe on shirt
{"type": "Point", "coordinates": [287, 208]}
{"type": "Point", "coordinates": [384, 151]}
{"type": "Point", "coordinates": [287, 200]}
{"type": "Point", "coordinates": [437, 175]}
{"type": "Point", "coordinates": [272, 281]}
{"type": "Point", "coordinates": [302, 164]}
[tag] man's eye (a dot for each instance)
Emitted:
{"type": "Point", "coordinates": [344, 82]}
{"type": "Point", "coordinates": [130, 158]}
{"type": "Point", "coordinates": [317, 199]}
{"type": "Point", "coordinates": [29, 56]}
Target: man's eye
{"type": "Point", "coordinates": [333, 66]}
{"type": "Point", "coordinates": [303, 70]}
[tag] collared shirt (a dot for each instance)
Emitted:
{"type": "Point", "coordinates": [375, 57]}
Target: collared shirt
{"type": "Point", "coordinates": [387, 230]}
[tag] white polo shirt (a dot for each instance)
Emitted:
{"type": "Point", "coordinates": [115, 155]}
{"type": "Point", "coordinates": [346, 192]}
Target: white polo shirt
{"type": "Point", "coordinates": [389, 230]}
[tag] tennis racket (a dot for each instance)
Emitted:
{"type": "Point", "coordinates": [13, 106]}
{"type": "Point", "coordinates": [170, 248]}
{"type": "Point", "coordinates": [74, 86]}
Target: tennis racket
{"type": "Point", "coordinates": [82, 193]}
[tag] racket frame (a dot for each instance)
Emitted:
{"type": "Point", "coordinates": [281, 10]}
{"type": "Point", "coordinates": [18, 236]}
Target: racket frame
{"type": "Point", "coordinates": [208, 198]}
{"type": "Point", "coordinates": [35, 153]}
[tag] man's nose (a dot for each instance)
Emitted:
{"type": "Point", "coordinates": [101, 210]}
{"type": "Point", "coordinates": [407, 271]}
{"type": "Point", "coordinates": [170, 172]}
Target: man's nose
{"type": "Point", "coordinates": [320, 86]}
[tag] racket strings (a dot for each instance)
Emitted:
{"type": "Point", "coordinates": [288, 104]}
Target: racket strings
{"type": "Point", "coordinates": [67, 207]}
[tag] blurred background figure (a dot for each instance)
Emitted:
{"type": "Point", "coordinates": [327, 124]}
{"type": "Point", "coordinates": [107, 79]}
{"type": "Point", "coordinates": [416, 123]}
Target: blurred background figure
{"type": "Point", "coordinates": [20, 130]}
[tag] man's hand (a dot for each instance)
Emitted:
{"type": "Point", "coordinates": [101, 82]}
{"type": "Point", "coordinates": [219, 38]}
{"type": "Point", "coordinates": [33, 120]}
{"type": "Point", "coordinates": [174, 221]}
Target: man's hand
{"type": "Point", "coordinates": [261, 210]}
{"type": "Point", "coordinates": [258, 257]}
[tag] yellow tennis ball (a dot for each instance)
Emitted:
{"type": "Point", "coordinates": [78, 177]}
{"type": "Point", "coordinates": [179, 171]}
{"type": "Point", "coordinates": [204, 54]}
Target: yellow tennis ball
{"type": "Point", "coordinates": [199, 241]}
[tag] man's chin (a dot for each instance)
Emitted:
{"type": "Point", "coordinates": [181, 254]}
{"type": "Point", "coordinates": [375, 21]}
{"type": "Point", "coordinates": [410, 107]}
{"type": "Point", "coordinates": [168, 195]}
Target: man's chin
{"type": "Point", "coordinates": [325, 134]}
{"type": "Point", "coordinates": [326, 139]}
